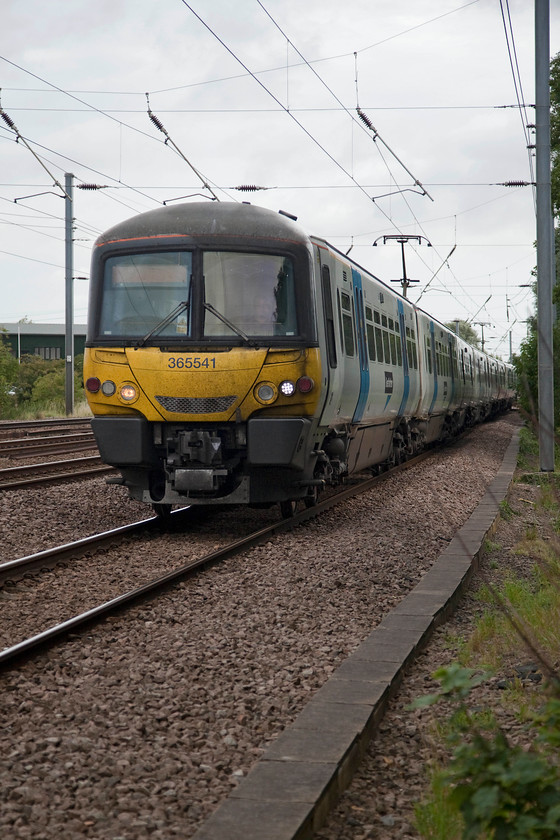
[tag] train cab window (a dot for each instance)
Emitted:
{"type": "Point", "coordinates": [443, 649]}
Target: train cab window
{"type": "Point", "coordinates": [347, 324]}
{"type": "Point", "coordinates": [254, 292]}
{"type": "Point", "coordinates": [141, 291]}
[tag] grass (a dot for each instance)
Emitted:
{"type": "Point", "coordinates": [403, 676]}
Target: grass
{"type": "Point", "coordinates": [47, 410]}
{"type": "Point", "coordinates": [506, 512]}
{"type": "Point", "coordinates": [534, 603]}
{"type": "Point", "coordinates": [437, 818]}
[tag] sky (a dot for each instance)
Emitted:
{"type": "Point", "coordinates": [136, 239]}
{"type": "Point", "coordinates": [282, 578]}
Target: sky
{"type": "Point", "coordinates": [265, 93]}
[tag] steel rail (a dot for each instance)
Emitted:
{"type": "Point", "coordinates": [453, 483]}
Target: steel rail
{"type": "Point", "coordinates": [15, 478]}
{"type": "Point", "coordinates": [34, 434]}
{"type": "Point", "coordinates": [16, 569]}
{"type": "Point", "coordinates": [25, 648]}
{"type": "Point", "coordinates": [14, 472]}
{"type": "Point", "coordinates": [49, 422]}
{"type": "Point", "coordinates": [67, 443]}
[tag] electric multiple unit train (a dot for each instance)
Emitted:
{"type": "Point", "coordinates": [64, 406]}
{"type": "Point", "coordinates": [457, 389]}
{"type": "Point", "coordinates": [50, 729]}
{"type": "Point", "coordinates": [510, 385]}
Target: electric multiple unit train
{"type": "Point", "coordinates": [233, 359]}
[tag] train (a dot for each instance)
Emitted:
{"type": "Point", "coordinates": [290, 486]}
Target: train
{"type": "Point", "coordinates": [231, 358]}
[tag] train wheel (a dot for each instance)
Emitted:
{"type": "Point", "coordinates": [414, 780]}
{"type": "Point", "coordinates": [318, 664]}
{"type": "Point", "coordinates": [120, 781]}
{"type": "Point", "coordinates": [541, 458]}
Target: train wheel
{"type": "Point", "coordinates": [287, 509]}
{"type": "Point", "coordinates": [311, 499]}
{"type": "Point", "coordinates": [163, 511]}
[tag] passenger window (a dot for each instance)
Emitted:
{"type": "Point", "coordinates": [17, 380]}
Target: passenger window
{"type": "Point", "coordinates": [379, 344]}
{"type": "Point", "coordinates": [393, 349]}
{"type": "Point", "coordinates": [347, 325]}
{"type": "Point", "coordinates": [428, 354]}
{"type": "Point", "coordinates": [386, 351]}
{"type": "Point", "coordinates": [370, 342]}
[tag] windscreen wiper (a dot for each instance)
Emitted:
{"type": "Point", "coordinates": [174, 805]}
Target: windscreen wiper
{"type": "Point", "coordinates": [181, 307]}
{"type": "Point", "coordinates": [231, 325]}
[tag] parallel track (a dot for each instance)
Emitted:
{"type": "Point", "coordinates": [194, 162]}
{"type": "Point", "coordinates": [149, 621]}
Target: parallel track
{"type": "Point", "coordinates": [52, 472]}
{"type": "Point", "coordinates": [50, 425]}
{"type": "Point", "coordinates": [24, 448]}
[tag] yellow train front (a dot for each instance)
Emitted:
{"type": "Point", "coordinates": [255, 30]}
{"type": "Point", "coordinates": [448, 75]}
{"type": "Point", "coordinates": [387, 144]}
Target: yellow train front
{"type": "Point", "coordinates": [202, 366]}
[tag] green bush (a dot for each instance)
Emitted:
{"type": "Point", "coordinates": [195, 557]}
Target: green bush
{"type": "Point", "coordinates": [8, 375]}
{"type": "Point", "coordinates": [501, 790]}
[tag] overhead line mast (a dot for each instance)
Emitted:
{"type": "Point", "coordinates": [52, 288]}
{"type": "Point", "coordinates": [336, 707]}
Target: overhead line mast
{"type": "Point", "coordinates": [545, 237]}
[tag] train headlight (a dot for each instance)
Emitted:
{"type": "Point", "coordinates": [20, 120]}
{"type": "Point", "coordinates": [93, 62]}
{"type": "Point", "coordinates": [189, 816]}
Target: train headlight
{"type": "Point", "coordinates": [266, 392]}
{"type": "Point", "coordinates": [287, 388]}
{"type": "Point", "coordinates": [93, 384]}
{"type": "Point", "coordinates": [128, 392]}
{"type": "Point", "coordinates": [108, 388]}
{"type": "Point", "coordinates": [305, 384]}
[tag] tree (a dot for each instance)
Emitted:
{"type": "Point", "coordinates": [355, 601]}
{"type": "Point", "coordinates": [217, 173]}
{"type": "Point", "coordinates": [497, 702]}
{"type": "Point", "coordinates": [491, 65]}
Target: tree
{"type": "Point", "coordinates": [555, 132]}
{"type": "Point", "coordinates": [466, 332]}
{"type": "Point", "coordinates": [8, 376]}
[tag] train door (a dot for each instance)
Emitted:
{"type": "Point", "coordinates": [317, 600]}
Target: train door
{"type": "Point", "coordinates": [361, 346]}
{"type": "Point", "coordinates": [341, 377]}
{"type": "Point", "coordinates": [452, 371]}
{"type": "Point", "coordinates": [406, 369]}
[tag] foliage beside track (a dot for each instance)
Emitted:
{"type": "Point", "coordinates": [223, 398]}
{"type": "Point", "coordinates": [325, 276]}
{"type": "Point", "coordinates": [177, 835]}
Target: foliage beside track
{"type": "Point", "coordinates": [34, 387]}
{"type": "Point", "coordinates": [491, 786]}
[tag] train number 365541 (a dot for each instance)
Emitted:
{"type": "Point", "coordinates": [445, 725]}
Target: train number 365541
{"type": "Point", "coordinates": [191, 362]}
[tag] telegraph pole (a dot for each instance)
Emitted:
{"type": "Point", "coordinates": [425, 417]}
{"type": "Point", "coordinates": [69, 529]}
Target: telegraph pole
{"type": "Point", "coordinates": [69, 296]}
{"type": "Point", "coordinates": [545, 236]}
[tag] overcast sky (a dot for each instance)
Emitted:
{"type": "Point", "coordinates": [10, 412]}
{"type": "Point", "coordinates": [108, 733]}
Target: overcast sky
{"type": "Point", "coordinates": [265, 93]}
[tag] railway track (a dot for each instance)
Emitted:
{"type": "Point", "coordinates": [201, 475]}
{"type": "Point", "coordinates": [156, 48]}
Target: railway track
{"type": "Point", "coordinates": [51, 425]}
{"type": "Point", "coordinates": [24, 448]}
{"type": "Point", "coordinates": [231, 656]}
{"type": "Point", "coordinates": [52, 472]}
{"type": "Point", "coordinates": [48, 559]}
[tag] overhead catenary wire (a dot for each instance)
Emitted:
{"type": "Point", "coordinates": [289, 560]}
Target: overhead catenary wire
{"type": "Point", "coordinates": [267, 70]}
{"type": "Point", "coordinates": [169, 140]}
{"type": "Point", "coordinates": [247, 176]}
{"type": "Point", "coordinates": [12, 126]}
{"type": "Point", "coordinates": [275, 98]}
{"type": "Point", "coordinates": [362, 116]}
{"type": "Point", "coordinates": [518, 86]}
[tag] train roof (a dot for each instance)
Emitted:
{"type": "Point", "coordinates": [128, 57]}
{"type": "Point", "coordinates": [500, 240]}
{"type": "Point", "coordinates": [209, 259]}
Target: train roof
{"type": "Point", "coordinates": [207, 219]}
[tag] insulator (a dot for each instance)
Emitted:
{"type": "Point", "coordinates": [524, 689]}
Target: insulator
{"type": "Point", "coordinates": [89, 186]}
{"type": "Point", "coordinates": [8, 120]}
{"type": "Point", "coordinates": [249, 188]}
{"type": "Point", "coordinates": [514, 184]}
{"type": "Point", "coordinates": [156, 122]}
{"type": "Point", "coordinates": [365, 119]}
